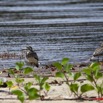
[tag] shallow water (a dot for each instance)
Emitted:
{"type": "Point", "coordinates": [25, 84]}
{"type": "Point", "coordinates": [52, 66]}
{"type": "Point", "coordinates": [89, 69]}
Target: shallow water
{"type": "Point", "coordinates": [54, 28]}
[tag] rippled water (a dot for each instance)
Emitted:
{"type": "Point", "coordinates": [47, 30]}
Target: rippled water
{"type": "Point", "coordinates": [54, 28]}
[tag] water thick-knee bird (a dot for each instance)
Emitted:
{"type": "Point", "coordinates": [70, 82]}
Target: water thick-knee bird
{"type": "Point", "coordinates": [98, 54]}
{"type": "Point", "coordinates": [31, 56]}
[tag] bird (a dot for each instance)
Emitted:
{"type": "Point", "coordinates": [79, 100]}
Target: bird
{"type": "Point", "coordinates": [98, 54]}
{"type": "Point", "coordinates": [32, 56]}
{"type": "Point", "coordinates": [98, 51]}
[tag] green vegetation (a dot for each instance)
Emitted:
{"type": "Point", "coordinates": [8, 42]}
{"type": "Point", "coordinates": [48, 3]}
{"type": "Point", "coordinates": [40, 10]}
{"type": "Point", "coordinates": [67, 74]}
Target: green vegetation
{"type": "Point", "coordinates": [93, 74]}
{"type": "Point", "coordinates": [27, 90]}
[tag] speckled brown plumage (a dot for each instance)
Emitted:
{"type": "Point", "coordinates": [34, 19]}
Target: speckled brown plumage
{"type": "Point", "coordinates": [32, 56]}
{"type": "Point", "coordinates": [98, 54]}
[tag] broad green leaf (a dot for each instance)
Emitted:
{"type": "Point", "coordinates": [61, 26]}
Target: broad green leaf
{"type": "Point", "coordinates": [19, 80]}
{"type": "Point", "coordinates": [44, 79]}
{"type": "Point", "coordinates": [60, 74]}
{"type": "Point", "coordinates": [86, 88]}
{"type": "Point", "coordinates": [64, 61]}
{"type": "Point", "coordinates": [20, 95]}
{"type": "Point", "coordinates": [11, 71]}
{"type": "Point", "coordinates": [74, 87]}
{"type": "Point", "coordinates": [99, 75]}
{"type": "Point", "coordinates": [9, 84]}
{"type": "Point", "coordinates": [58, 65]}
{"type": "Point", "coordinates": [87, 71]}
{"type": "Point", "coordinates": [21, 98]}
{"type": "Point", "coordinates": [19, 65]}
{"type": "Point", "coordinates": [90, 78]}
{"type": "Point", "coordinates": [95, 73]}
{"type": "Point", "coordinates": [33, 96]}
{"type": "Point", "coordinates": [47, 86]}
{"type": "Point", "coordinates": [99, 89]}
{"type": "Point", "coordinates": [17, 92]}
{"type": "Point", "coordinates": [97, 68]}
{"type": "Point", "coordinates": [37, 77]}
{"type": "Point", "coordinates": [68, 67]}
{"type": "Point", "coordinates": [94, 64]}
{"type": "Point", "coordinates": [28, 70]}
{"type": "Point", "coordinates": [77, 75]}
{"type": "Point", "coordinates": [33, 93]}
{"type": "Point", "coordinates": [33, 89]}
{"type": "Point", "coordinates": [27, 86]}
{"type": "Point", "coordinates": [1, 82]}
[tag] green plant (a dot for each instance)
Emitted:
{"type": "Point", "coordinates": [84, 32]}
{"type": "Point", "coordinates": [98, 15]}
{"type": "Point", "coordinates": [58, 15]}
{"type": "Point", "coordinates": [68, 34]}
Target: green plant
{"type": "Point", "coordinates": [20, 95]}
{"type": "Point", "coordinates": [42, 85]}
{"type": "Point", "coordinates": [27, 89]}
{"type": "Point", "coordinates": [93, 75]}
{"type": "Point", "coordinates": [18, 68]}
{"type": "Point", "coordinates": [19, 65]}
{"type": "Point", "coordinates": [9, 84]}
{"type": "Point", "coordinates": [64, 72]}
{"type": "Point", "coordinates": [1, 82]}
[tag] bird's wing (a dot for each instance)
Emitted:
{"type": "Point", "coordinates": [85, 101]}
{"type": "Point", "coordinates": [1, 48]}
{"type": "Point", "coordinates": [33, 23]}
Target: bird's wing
{"type": "Point", "coordinates": [98, 51]}
{"type": "Point", "coordinates": [33, 54]}
{"type": "Point", "coordinates": [33, 60]}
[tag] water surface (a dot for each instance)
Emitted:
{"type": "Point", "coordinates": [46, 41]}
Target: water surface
{"type": "Point", "coordinates": [54, 28]}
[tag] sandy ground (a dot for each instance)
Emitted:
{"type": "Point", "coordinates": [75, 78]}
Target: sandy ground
{"type": "Point", "coordinates": [37, 101]}
{"type": "Point", "coordinates": [58, 93]}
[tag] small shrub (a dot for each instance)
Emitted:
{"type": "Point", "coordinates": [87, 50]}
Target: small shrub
{"type": "Point", "coordinates": [28, 91]}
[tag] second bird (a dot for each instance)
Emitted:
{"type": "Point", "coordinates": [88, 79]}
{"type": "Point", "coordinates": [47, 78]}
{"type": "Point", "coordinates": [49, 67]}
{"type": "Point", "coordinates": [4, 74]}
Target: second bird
{"type": "Point", "coordinates": [98, 54]}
